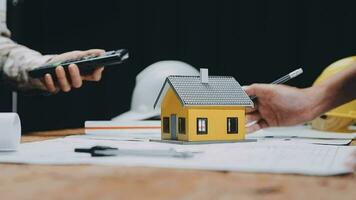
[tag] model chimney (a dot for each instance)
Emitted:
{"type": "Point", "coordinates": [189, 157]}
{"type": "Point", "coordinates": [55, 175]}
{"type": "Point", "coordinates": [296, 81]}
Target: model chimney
{"type": "Point", "coordinates": [204, 75]}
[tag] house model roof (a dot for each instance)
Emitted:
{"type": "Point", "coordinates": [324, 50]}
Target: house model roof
{"type": "Point", "coordinates": [217, 91]}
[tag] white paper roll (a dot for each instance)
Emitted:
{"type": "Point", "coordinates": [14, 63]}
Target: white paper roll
{"type": "Point", "coordinates": [10, 131]}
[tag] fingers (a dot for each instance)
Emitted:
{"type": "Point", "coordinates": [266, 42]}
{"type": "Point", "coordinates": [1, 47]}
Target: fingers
{"type": "Point", "coordinates": [49, 83]}
{"type": "Point", "coordinates": [65, 81]}
{"type": "Point", "coordinates": [75, 76]}
{"type": "Point", "coordinates": [252, 109]}
{"type": "Point", "coordinates": [95, 76]}
{"type": "Point", "coordinates": [254, 116]}
{"type": "Point", "coordinates": [64, 84]}
{"type": "Point", "coordinates": [258, 90]}
{"type": "Point", "coordinates": [250, 90]}
{"type": "Point", "coordinates": [263, 123]}
{"type": "Point", "coordinates": [255, 127]}
{"type": "Point", "coordinates": [97, 73]}
{"type": "Point", "coordinates": [76, 80]}
{"type": "Point", "coordinates": [62, 79]}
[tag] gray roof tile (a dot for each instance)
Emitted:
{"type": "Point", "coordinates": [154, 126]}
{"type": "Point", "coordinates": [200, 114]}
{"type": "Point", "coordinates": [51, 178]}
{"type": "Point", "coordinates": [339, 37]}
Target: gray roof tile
{"type": "Point", "coordinates": [221, 90]}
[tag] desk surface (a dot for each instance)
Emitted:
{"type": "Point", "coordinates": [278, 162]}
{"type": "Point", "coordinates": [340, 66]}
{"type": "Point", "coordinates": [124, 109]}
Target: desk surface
{"type": "Point", "coordinates": [103, 182]}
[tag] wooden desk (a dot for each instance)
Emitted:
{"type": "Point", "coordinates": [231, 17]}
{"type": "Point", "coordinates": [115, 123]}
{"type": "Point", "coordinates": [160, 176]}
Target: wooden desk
{"type": "Point", "coordinates": [102, 182]}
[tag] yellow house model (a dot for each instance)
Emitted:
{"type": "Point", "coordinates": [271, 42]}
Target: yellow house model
{"type": "Point", "coordinates": [202, 108]}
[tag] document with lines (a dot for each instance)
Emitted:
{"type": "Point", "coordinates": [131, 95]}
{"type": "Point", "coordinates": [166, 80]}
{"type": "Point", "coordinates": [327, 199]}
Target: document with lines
{"type": "Point", "coordinates": [265, 157]}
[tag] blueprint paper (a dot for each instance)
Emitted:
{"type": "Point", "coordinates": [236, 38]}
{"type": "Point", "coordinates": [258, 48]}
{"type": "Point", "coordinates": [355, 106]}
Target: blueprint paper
{"type": "Point", "coordinates": [267, 157]}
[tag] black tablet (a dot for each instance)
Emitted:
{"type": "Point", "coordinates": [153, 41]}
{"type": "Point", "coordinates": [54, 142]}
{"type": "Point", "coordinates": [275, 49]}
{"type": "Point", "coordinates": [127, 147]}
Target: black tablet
{"type": "Point", "coordinates": [86, 64]}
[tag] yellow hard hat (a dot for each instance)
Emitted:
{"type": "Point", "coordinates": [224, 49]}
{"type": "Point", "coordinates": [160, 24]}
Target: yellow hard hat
{"type": "Point", "coordinates": [341, 118]}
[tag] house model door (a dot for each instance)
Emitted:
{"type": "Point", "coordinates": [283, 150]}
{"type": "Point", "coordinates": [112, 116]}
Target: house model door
{"type": "Point", "coordinates": [174, 127]}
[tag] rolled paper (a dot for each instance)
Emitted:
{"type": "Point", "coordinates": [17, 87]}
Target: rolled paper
{"type": "Point", "coordinates": [10, 131]}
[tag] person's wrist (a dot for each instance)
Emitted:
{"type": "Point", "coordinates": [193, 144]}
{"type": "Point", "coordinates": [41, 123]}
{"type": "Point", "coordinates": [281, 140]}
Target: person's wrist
{"type": "Point", "coordinates": [317, 96]}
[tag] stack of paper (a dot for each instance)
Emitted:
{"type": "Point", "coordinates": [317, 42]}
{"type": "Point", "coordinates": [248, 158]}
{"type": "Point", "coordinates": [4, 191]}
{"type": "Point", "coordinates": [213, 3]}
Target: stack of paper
{"type": "Point", "coordinates": [121, 128]}
{"type": "Point", "coordinates": [267, 157]}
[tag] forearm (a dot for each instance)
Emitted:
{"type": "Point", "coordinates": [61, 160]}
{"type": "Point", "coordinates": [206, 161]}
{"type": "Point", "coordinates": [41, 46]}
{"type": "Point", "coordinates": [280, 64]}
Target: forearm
{"type": "Point", "coordinates": [335, 91]}
{"type": "Point", "coordinates": [16, 60]}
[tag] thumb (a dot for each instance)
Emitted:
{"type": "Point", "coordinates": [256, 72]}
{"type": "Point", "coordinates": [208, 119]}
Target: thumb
{"type": "Point", "coordinates": [256, 89]}
{"type": "Point", "coordinates": [251, 90]}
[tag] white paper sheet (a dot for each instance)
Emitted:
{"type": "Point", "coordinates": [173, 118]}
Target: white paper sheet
{"type": "Point", "coordinates": [157, 136]}
{"type": "Point", "coordinates": [299, 132]}
{"type": "Point", "coordinates": [136, 130]}
{"type": "Point", "coordinates": [269, 157]}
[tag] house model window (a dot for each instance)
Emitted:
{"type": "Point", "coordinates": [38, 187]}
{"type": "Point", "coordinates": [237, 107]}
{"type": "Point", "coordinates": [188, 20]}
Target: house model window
{"type": "Point", "coordinates": [202, 126]}
{"type": "Point", "coordinates": [166, 124]}
{"type": "Point", "coordinates": [232, 125]}
{"type": "Point", "coordinates": [181, 125]}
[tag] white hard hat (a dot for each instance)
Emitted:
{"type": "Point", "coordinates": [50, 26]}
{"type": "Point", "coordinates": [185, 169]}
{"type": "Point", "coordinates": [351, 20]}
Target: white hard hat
{"type": "Point", "coordinates": [148, 84]}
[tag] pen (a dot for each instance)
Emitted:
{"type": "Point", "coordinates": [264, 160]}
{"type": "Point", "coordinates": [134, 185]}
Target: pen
{"type": "Point", "coordinates": [285, 78]}
{"type": "Point", "coordinates": [100, 151]}
{"type": "Point", "coordinates": [145, 153]}
{"type": "Point", "coordinates": [281, 80]}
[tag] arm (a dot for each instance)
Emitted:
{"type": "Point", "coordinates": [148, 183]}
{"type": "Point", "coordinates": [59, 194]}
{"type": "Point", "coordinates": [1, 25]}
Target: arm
{"type": "Point", "coordinates": [16, 60]}
{"type": "Point", "coordinates": [279, 105]}
{"type": "Point", "coordinates": [336, 90]}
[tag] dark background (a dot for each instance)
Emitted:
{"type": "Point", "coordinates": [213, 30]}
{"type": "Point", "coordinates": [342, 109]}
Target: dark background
{"type": "Point", "coordinates": [253, 40]}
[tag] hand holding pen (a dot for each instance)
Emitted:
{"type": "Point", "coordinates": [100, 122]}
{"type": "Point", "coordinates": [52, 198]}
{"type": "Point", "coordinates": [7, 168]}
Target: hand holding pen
{"type": "Point", "coordinates": [276, 104]}
{"type": "Point", "coordinates": [284, 79]}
